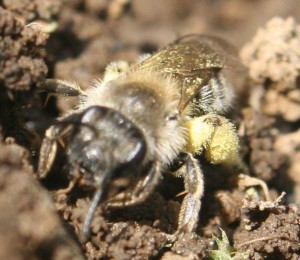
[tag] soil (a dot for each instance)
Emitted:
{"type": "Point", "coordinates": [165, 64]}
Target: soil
{"type": "Point", "coordinates": [75, 40]}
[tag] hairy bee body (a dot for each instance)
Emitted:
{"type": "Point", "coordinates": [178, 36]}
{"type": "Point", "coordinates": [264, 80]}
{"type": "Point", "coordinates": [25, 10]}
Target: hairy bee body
{"type": "Point", "coordinates": [134, 124]}
{"type": "Point", "coordinates": [150, 101]}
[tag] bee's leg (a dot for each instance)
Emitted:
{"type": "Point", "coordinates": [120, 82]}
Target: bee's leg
{"type": "Point", "coordinates": [47, 152]}
{"type": "Point", "coordinates": [142, 190]}
{"type": "Point", "coordinates": [216, 137]}
{"type": "Point", "coordinates": [194, 186]}
{"type": "Point", "coordinates": [147, 185]}
{"type": "Point", "coordinates": [62, 87]}
{"type": "Point", "coordinates": [48, 149]}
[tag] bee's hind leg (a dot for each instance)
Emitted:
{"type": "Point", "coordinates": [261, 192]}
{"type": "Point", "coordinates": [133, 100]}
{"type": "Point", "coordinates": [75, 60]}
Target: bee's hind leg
{"type": "Point", "coordinates": [194, 187]}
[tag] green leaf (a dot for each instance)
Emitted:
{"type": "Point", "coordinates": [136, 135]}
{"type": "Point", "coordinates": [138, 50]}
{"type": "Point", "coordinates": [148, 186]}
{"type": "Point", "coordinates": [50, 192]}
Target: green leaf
{"type": "Point", "coordinates": [225, 251]}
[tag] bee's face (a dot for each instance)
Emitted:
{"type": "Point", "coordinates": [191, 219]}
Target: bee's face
{"type": "Point", "coordinates": [155, 112]}
{"type": "Point", "coordinates": [104, 146]}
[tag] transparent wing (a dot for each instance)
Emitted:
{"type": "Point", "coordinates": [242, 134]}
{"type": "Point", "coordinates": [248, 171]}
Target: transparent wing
{"type": "Point", "coordinates": [193, 60]}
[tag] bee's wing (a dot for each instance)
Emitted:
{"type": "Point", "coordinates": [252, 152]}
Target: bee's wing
{"type": "Point", "coordinates": [193, 60]}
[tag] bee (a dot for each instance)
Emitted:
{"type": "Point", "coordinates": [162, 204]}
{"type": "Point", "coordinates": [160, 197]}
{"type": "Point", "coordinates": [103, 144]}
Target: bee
{"type": "Point", "coordinates": [143, 119]}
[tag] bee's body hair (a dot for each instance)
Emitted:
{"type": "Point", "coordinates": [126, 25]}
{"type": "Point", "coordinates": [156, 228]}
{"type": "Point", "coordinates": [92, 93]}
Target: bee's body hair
{"type": "Point", "coordinates": [138, 120]}
{"type": "Point", "coordinates": [215, 97]}
{"type": "Point", "coordinates": [129, 95]}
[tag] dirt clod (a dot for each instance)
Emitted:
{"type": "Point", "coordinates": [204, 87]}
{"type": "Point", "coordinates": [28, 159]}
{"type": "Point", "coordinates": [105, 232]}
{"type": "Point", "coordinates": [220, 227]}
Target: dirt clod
{"type": "Point", "coordinates": [30, 227]}
{"type": "Point", "coordinates": [21, 66]}
{"type": "Point", "coordinates": [271, 229]}
{"type": "Point", "coordinates": [30, 10]}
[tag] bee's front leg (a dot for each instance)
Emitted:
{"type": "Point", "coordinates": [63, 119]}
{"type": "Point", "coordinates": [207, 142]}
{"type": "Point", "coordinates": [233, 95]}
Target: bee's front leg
{"type": "Point", "coordinates": [54, 135]}
{"type": "Point", "coordinates": [47, 152]}
{"type": "Point", "coordinates": [142, 190]}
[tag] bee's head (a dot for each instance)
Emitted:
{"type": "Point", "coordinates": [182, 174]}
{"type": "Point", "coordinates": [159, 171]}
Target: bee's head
{"type": "Point", "coordinates": [105, 146]}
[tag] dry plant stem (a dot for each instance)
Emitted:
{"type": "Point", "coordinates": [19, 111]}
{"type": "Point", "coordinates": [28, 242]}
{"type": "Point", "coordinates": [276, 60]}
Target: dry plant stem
{"type": "Point", "coordinates": [247, 181]}
{"type": "Point", "coordinates": [262, 239]}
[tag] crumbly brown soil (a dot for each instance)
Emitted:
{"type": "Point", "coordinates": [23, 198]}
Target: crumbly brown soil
{"type": "Point", "coordinates": [37, 221]}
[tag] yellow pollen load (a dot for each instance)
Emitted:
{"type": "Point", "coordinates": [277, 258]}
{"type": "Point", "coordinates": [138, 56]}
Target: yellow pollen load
{"type": "Point", "coordinates": [220, 141]}
{"type": "Point", "coordinates": [199, 134]}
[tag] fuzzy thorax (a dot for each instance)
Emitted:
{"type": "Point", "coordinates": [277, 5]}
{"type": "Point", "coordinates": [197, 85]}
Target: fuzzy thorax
{"type": "Point", "coordinates": [150, 101]}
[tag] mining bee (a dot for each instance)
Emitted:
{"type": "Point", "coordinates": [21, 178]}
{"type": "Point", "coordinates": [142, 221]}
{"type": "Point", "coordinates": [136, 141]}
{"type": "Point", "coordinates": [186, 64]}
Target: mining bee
{"type": "Point", "coordinates": [143, 118]}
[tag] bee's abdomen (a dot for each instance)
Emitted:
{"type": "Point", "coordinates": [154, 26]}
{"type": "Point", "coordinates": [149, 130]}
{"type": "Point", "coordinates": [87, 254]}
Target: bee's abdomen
{"type": "Point", "coordinates": [215, 97]}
